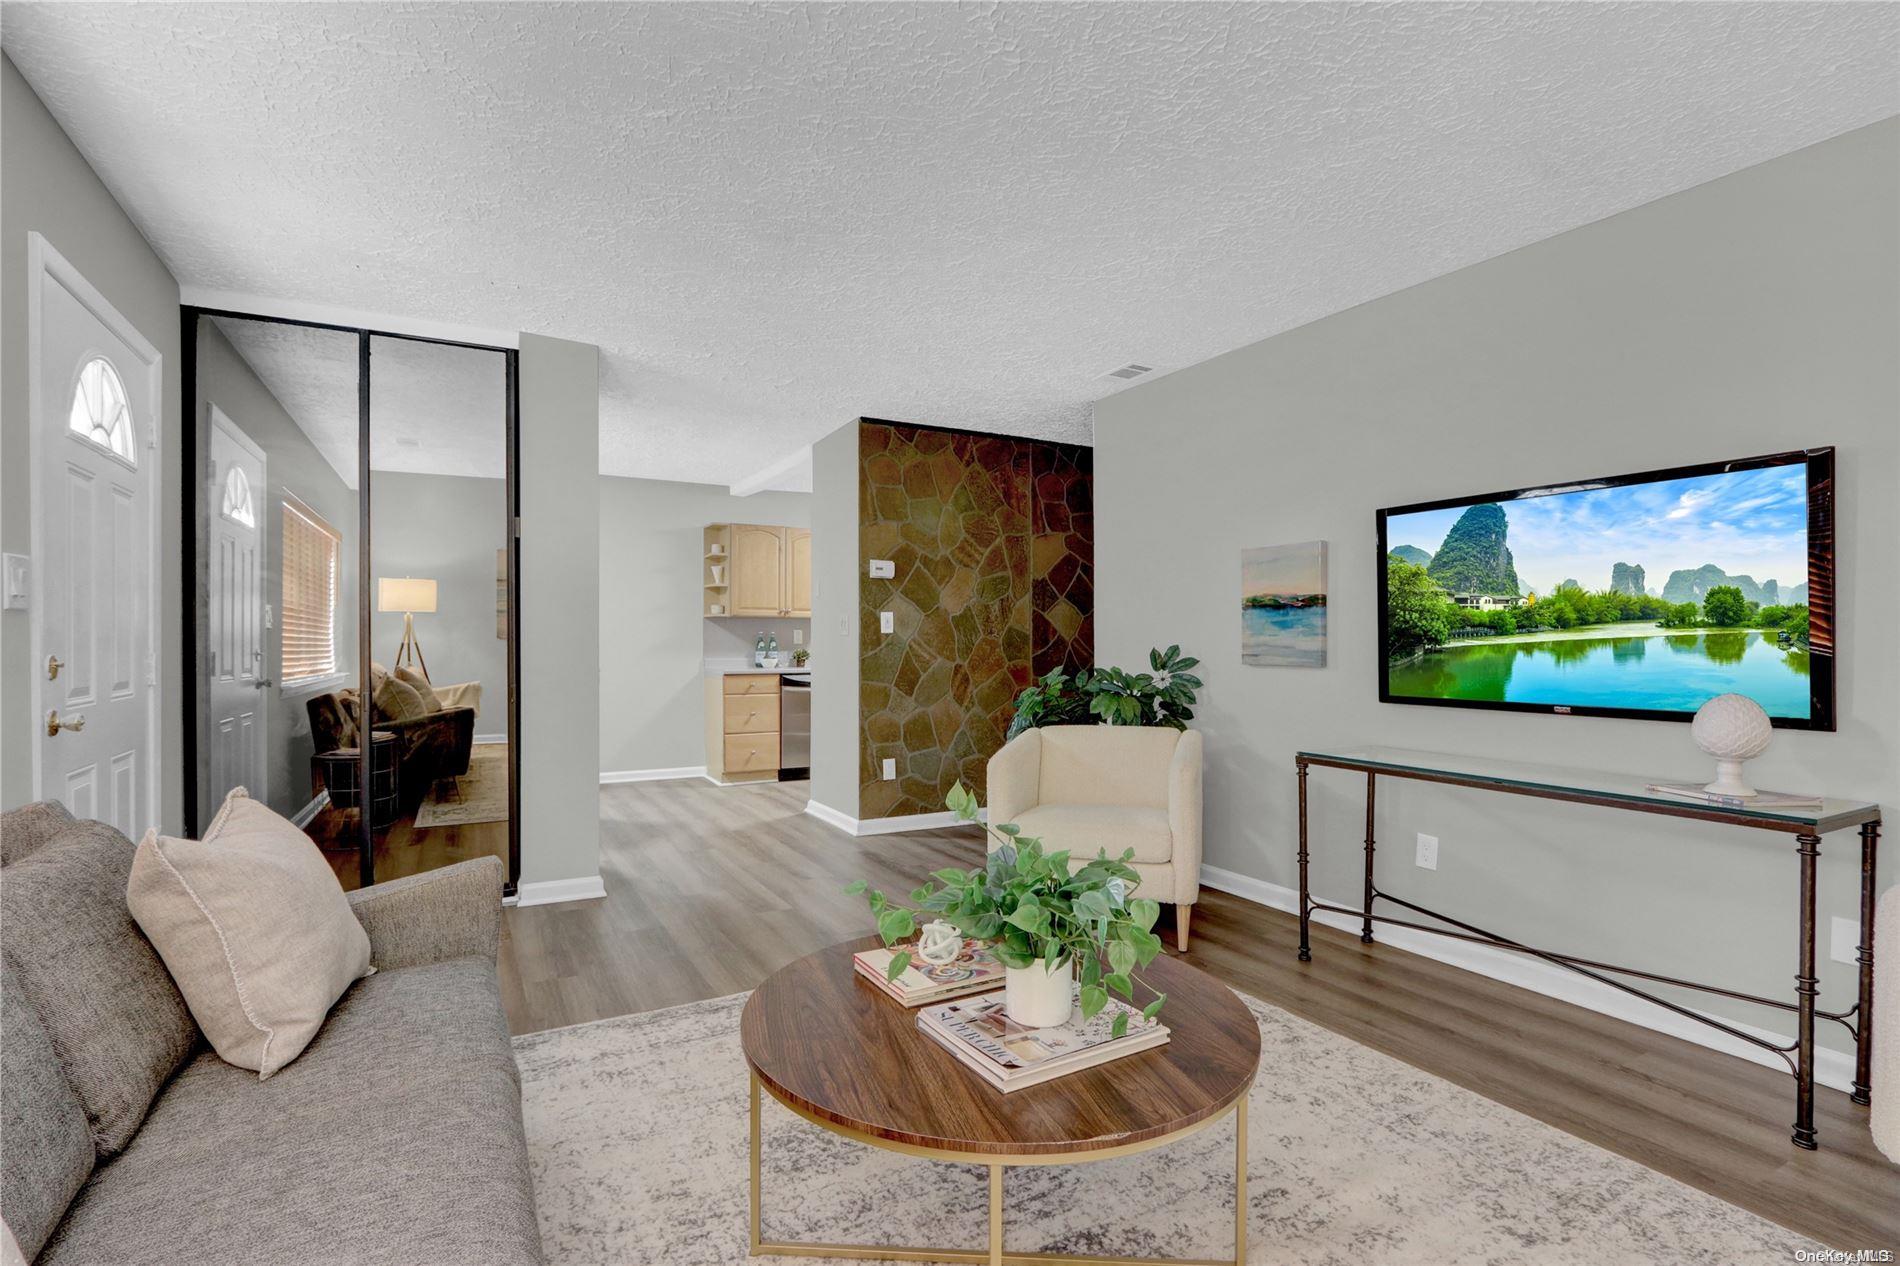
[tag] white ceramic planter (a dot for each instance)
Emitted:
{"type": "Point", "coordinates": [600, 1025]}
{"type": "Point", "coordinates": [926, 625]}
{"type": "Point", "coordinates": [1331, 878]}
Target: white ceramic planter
{"type": "Point", "coordinates": [1037, 997]}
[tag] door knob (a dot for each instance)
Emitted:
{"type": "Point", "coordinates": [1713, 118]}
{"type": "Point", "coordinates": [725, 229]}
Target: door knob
{"type": "Point", "coordinates": [54, 725]}
{"type": "Point", "coordinates": [53, 665]}
{"type": "Point", "coordinates": [261, 684]}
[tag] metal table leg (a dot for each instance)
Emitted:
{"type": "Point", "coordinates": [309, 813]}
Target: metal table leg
{"type": "Point", "coordinates": [1864, 1012]}
{"type": "Point", "coordinates": [1306, 897]}
{"type": "Point", "coordinates": [1806, 988]}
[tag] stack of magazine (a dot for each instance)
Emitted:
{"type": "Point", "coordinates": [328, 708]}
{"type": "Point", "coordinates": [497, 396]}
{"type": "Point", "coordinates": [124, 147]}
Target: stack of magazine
{"type": "Point", "coordinates": [979, 1032]}
{"type": "Point", "coordinates": [973, 970]}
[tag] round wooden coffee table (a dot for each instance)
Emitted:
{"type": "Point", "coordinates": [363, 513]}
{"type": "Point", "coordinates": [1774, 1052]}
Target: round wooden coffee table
{"type": "Point", "coordinates": [828, 1045]}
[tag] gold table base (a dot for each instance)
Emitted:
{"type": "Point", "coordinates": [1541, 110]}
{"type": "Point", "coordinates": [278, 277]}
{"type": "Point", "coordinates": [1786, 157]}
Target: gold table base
{"type": "Point", "coordinates": [995, 1254]}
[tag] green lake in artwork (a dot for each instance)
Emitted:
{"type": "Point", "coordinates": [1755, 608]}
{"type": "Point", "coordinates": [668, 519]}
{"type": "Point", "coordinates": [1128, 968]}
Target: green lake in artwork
{"type": "Point", "coordinates": [1644, 668]}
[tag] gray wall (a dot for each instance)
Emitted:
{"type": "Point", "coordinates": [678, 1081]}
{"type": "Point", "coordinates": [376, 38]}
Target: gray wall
{"type": "Point", "coordinates": [834, 604]}
{"type": "Point", "coordinates": [292, 465]}
{"type": "Point", "coordinates": [47, 186]}
{"type": "Point", "coordinates": [653, 638]}
{"type": "Point", "coordinates": [1756, 313]}
{"type": "Point", "coordinates": [446, 528]}
{"type": "Point", "coordinates": [560, 610]}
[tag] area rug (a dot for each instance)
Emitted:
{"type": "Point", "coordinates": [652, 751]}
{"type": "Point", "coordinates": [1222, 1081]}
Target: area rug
{"type": "Point", "coordinates": [637, 1139]}
{"type": "Point", "coordinates": [480, 795]}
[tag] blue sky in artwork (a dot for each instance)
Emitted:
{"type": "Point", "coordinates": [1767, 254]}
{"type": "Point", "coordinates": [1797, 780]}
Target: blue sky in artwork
{"type": "Point", "coordinates": [1751, 522]}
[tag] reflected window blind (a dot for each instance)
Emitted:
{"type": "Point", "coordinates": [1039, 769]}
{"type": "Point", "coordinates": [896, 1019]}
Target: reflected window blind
{"type": "Point", "coordinates": [309, 610]}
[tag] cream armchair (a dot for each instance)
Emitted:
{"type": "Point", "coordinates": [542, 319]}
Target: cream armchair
{"type": "Point", "coordinates": [1114, 787]}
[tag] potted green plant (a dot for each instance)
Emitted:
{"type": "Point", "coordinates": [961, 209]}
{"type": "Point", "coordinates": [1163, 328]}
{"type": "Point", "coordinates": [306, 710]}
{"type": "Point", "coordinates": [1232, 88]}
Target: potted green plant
{"type": "Point", "coordinates": [1163, 695]}
{"type": "Point", "coordinates": [1050, 927]}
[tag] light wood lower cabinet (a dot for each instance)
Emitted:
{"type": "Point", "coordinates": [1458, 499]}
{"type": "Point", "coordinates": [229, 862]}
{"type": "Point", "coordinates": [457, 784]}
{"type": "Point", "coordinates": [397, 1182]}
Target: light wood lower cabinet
{"type": "Point", "coordinates": [742, 727]}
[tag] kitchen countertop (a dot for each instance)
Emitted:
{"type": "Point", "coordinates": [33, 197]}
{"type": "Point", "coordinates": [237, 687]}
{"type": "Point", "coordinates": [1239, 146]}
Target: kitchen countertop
{"type": "Point", "coordinates": [724, 667]}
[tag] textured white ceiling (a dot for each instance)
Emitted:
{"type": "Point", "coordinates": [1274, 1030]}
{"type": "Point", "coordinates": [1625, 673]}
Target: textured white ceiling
{"type": "Point", "coordinates": [775, 218]}
{"type": "Point", "coordinates": [434, 409]}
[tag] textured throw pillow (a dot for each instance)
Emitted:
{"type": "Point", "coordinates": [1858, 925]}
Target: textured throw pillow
{"type": "Point", "coordinates": [397, 700]}
{"type": "Point", "coordinates": [420, 684]}
{"type": "Point", "coordinates": [110, 1009]}
{"type": "Point", "coordinates": [255, 929]}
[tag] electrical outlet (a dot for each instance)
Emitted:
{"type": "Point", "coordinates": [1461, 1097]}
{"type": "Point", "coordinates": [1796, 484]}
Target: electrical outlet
{"type": "Point", "coordinates": [1427, 856]}
{"type": "Point", "coordinates": [887, 622]}
{"type": "Point", "coordinates": [890, 769]}
{"type": "Point", "coordinates": [798, 637]}
{"type": "Point", "coordinates": [844, 626]}
{"type": "Point", "coordinates": [1844, 940]}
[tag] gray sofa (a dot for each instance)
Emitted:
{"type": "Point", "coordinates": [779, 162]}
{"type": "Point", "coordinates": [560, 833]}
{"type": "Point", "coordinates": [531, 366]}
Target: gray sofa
{"type": "Point", "coordinates": [396, 1137]}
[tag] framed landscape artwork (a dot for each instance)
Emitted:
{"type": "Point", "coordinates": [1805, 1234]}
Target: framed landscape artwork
{"type": "Point", "coordinates": [1283, 605]}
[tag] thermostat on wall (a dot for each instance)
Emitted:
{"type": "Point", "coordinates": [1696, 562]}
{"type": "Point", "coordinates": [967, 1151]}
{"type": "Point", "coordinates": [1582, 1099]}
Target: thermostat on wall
{"type": "Point", "coordinates": [883, 569]}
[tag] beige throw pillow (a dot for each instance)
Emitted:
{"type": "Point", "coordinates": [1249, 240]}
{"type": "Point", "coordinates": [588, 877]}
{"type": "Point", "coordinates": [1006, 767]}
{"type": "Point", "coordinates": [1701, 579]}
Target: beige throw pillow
{"type": "Point", "coordinates": [397, 700]}
{"type": "Point", "coordinates": [420, 684]}
{"type": "Point", "coordinates": [253, 927]}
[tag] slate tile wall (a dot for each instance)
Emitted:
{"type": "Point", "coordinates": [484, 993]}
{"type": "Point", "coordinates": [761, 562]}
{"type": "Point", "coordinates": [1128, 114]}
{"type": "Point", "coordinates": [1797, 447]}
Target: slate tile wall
{"type": "Point", "coordinates": [992, 542]}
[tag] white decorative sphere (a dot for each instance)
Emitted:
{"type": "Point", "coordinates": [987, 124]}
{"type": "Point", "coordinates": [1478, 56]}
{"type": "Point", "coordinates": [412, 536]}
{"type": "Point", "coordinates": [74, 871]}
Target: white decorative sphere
{"type": "Point", "coordinates": [1731, 728]}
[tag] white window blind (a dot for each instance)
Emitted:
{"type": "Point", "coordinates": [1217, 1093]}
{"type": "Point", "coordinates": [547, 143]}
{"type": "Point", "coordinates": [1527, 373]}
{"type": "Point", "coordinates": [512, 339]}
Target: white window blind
{"type": "Point", "coordinates": [309, 609]}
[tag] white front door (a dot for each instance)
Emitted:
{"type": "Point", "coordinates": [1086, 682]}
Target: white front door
{"type": "Point", "coordinates": [239, 688]}
{"type": "Point", "coordinates": [96, 411]}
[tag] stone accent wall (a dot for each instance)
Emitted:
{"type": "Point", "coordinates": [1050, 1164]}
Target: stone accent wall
{"type": "Point", "coordinates": [991, 539]}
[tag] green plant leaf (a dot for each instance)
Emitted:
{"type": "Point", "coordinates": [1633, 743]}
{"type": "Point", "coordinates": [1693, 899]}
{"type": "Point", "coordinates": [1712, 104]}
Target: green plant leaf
{"type": "Point", "coordinates": [899, 962]}
{"type": "Point", "coordinates": [1121, 984]}
{"type": "Point", "coordinates": [1153, 1009]}
{"type": "Point", "coordinates": [1029, 916]}
{"type": "Point", "coordinates": [1122, 955]}
{"type": "Point", "coordinates": [1144, 912]}
{"type": "Point", "coordinates": [1091, 970]}
{"type": "Point", "coordinates": [1120, 1027]}
{"type": "Point", "coordinates": [1092, 999]}
{"type": "Point", "coordinates": [1009, 828]}
{"type": "Point", "coordinates": [896, 923]}
{"type": "Point", "coordinates": [855, 887]}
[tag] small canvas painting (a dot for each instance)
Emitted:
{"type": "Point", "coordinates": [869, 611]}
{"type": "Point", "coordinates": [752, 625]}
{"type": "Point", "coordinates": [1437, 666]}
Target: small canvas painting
{"type": "Point", "coordinates": [1283, 605]}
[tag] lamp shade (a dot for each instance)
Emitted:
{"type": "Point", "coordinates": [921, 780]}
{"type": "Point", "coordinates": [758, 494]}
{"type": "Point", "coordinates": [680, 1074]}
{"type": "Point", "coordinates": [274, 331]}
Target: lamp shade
{"type": "Point", "coordinates": [403, 593]}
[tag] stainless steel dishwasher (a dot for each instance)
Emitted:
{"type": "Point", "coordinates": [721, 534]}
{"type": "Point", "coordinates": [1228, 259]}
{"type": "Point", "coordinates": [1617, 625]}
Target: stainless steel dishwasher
{"type": "Point", "coordinates": [794, 757]}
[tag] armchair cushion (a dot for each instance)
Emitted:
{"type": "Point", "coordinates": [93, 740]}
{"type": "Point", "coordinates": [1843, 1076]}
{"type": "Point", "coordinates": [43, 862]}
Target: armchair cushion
{"type": "Point", "coordinates": [1089, 828]}
{"type": "Point", "coordinates": [1107, 764]}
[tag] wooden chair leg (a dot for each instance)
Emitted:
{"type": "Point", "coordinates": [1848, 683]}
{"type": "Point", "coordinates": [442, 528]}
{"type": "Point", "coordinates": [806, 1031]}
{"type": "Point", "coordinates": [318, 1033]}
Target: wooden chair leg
{"type": "Point", "coordinates": [1182, 913]}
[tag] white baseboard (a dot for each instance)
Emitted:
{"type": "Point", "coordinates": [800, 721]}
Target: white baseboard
{"type": "Point", "coordinates": [885, 826]}
{"type": "Point", "coordinates": [308, 814]}
{"type": "Point", "coordinates": [491, 738]}
{"type": "Point", "coordinates": [1831, 1068]}
{"type": "Point", "coordinates": [609, 776]}
{"type": "Point", "coordinates": [550, 891]}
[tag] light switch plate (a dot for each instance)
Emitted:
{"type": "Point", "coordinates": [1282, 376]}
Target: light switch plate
{"type": "Point", "coordinates": [883, 569]}
{"type": "Point", "coordinates": [887, 622]}
{"type": "Point", "coordinates": [798, 637]}
{"type": "Point", "coordinates": [15, 582]}
{"type": "Point", "coordinates": [890, 768]}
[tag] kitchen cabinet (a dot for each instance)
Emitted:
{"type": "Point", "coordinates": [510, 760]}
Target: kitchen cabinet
{"type": "Point", "coordinates": [757, 569]}
{"type": "Point", "coordinates": [798, 572]}
{"type": "Point", "coordinates": [742, 727]}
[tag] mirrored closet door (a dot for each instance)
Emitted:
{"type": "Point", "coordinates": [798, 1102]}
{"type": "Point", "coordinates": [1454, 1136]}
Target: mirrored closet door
{"type": "Point", "coordinates": [352, 567]}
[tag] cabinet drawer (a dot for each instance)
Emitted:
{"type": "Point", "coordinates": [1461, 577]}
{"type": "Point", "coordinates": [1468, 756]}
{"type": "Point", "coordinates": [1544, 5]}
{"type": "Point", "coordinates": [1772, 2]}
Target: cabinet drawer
{"type": "Point", "coordinates": [752, 683]}
{"type": "Point", "coordinates": [751, 714]}
{"type": "Point", "coordinates": [751, 753]}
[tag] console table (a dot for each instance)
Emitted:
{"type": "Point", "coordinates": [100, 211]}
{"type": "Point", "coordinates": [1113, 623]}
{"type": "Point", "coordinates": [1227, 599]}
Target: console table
{"type": "Point", "coordinates": [1614, 791]}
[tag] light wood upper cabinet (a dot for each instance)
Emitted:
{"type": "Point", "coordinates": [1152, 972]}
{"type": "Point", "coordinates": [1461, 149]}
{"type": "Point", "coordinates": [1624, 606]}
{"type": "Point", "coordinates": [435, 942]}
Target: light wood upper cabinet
{"type": "Point", "coordinates": [767, 570]}
{"type": "Point", "coordinates": [758, 570]}
{"type": "Point", "coordinates": [798, 572]}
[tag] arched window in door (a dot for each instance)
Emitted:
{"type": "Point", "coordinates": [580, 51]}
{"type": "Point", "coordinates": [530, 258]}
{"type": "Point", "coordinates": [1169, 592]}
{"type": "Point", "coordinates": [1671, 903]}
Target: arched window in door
{"type": "Point", "coordinates": [237, 498]}
{"type": "Point", "coordinates": [100, 412]}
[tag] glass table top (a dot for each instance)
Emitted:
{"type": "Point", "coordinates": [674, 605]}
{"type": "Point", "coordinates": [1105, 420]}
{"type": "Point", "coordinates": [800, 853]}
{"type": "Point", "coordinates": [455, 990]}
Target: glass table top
{"type": "Point", "coordinates": [1520, 776]}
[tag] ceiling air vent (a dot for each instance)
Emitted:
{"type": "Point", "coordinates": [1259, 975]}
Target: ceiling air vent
{"type": "Point", "coordinates": [1129, 371]}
